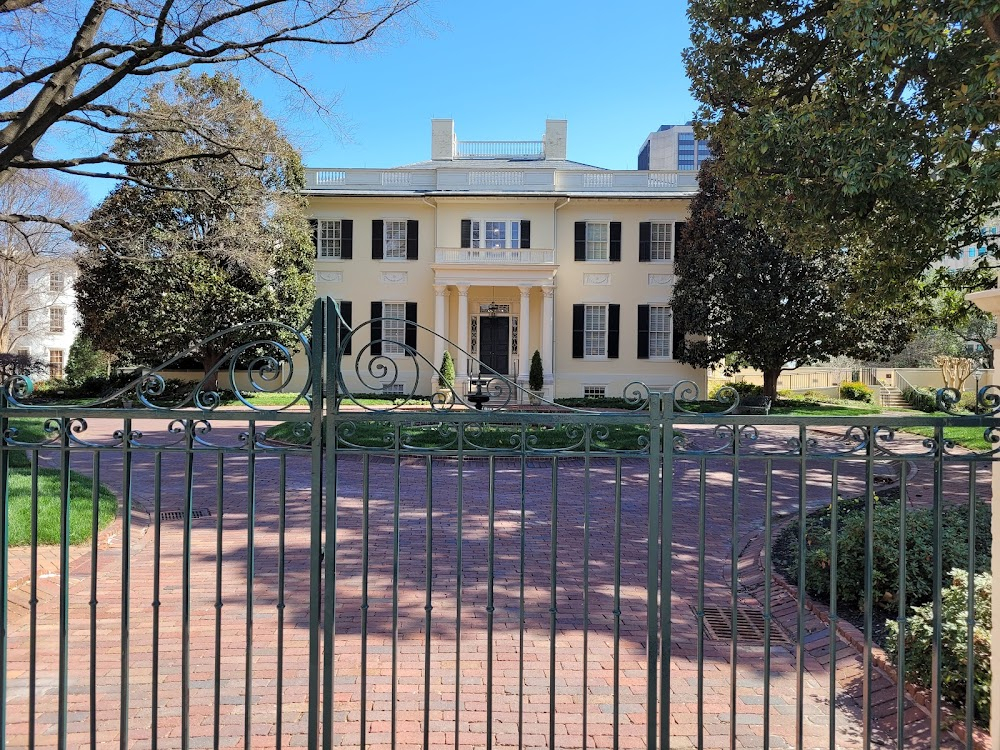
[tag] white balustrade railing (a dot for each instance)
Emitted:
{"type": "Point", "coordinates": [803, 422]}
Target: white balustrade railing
{"type": "Point", "coordinates": [494, 149]}
{"type": "Point", "coordinates": [455, 178]}
{"type": "Point", "coordinates": [496, 256]}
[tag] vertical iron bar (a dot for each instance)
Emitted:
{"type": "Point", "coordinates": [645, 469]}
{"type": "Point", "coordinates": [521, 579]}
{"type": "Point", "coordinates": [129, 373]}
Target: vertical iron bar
{"type": "Point", "coordinates": [4, 571]}
{"type": "Point", "coordinates": [553, 608]}
{"type": "Point", "coordinates": [65, 424]}
{"type": "Point", "coordinates": [491, 530]}
{"type": "Point", "coordinates": [157, 504]}
{"type": "Point", "coordinates": [800, 645]}
{"type": "Point", "coordinates": [220, 485]}
{"type": "Point", "coordinates": [127, 458]}
{"type": "Point", "coordinates": [734, 575]}
{"type": "Point", "coordinates": [280, 687]}
{"type": "Point", "coordinates": [700, 615]}
{"type": "Point", "coordinates": [332, 328]}
{"type": "Point", "coordinates": [33, 636]}
{"type": "Point", "coordinates": [189, 428]}
{"type": "Point", "coordinates": [617, 599]}
{"type": "Point", "coordinates": [94, 530]}
{"type": "Point", "coordinates": [428, 599]}
{"type": "Point", "coordinates": [652, 562]}
{"type": "Point", "coordinates": [869, 566]}
{"type": "Point", "coordinates": [970, 655]}
{"type": "Point", "coordinates": [901, 612]}
{"type": "Point", "coordinates": [834, 617]}
{"type": "Point", "coordinates": [520, 604]}
{"type": "Point", "coordinates": [251, 564]}
{"type": "Point", "coordinates": [397, 464]}
{"type": "Point", "coordinates": [936, 545]}
{"type": "Point", "coordinates": [768, 504]}
{"type": "Point", "coordinates": [458, 578]}
{"type": "Point", "coordinates": [316, 435]}
{"type": "Point", "coordinates": [588, 429]}
{"type": "Point", "coordinates": [666, 503]}
{"type": "Point", "coordinates": [365, 489]}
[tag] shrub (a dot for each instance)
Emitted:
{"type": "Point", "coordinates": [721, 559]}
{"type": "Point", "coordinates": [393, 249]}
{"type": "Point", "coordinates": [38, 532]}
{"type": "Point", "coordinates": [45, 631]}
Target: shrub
{"type": "Point", "coordinates": [85, 361]}
{"type": "Point", "coordinates": [969, 402]}
{"type": "Point", "coordinates": [446, 376]}
{"type": "Point", "coordinates": [536, 376]}
{"type": "Point", "coordinates": [919, 642]}
{"type": "Point", "coordinates": [742, 387]}
{"type": "Point", "coordinates": [855, 391]}
{"type": "Point", "coordinates": [919, 574]}
{"type": "Point", "coordinates": [923, 399]}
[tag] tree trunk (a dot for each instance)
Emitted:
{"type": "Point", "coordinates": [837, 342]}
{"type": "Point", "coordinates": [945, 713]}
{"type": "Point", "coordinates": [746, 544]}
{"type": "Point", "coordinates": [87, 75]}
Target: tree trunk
{"type": "Point", "coordinates": [208, 361]}
{"type": "Point", "coordinates": [771, 382]}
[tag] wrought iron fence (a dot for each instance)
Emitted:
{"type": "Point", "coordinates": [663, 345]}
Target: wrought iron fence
{"type": "Point", "coordinates": [342, 571]}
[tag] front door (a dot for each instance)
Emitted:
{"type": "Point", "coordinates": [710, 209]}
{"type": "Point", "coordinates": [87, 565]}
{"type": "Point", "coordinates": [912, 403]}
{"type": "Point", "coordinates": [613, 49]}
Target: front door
{"type": "Point", "coordinates": [494, 343]}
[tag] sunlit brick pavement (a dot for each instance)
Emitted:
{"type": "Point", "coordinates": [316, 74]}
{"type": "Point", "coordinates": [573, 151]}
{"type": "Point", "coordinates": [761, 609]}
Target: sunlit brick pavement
{"type": "Point", "coordinates": [513, 688]}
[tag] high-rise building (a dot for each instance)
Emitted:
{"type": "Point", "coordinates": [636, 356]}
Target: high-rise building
{"type": "Point", "coordinates": [673, 147]}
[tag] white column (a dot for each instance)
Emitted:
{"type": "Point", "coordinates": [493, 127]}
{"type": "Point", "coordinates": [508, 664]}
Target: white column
{"type": "Point", "coordinates": [524, 325]}
{"type": "Point", "coordinates": [462, 363]}
{"type": "Point", "coordinates": [547, 361]}
{"type": "Point", "coordinates": [440, 328]}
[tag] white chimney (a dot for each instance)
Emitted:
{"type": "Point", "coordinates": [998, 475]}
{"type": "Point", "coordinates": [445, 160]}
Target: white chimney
{"type": "Point", "coordinates": [442, 139]}
{"type": "Point", "coordinates": [555, 139]}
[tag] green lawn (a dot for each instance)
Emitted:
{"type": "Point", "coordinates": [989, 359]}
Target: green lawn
{"type": "Point", "coordinates": [808, 409]}
{"type": "Point", "coordinates": [967, 437]}
{"type": "Point", "coordinates": [80, 494]}
{"type": "Point", "coordinates": [427, 435]}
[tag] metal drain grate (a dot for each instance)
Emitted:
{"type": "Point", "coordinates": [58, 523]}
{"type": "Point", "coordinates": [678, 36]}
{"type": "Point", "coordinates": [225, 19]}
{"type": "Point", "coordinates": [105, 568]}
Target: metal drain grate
{"type": "Point", "coordinates": [178, 515]}
{"type": "Point", "coordinates": [749, 626]}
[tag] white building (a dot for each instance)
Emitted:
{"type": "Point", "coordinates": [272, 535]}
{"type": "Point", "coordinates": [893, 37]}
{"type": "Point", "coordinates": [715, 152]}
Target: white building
{"type": "Point", "coordinates": [503, 248]}
{"type": "Point", "coordinates": [673, 147]}
{"type": "Point", "coordinates": [40, 313]}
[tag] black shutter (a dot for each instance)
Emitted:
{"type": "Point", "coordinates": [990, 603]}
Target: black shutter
{"type": "Point", "coordinates": [677, 342]}
{"type": "Point", "coordinates": [525, 234]}
{"type": "Point", "coordinates": [411, 239]}
{"type": "Point", "coordinates": [578, 331]}
{"type": "Point", "coordinates": [678, 242]}
{"type": "Point", "coordinates": [410, 337]}
{"type": "Point", "coordinates": [346, 240]}
{"type": "Point", "coordinates": [376, 327]}
{"type": "Point", "coordinates": [378, 230]}
{"type": "Point", "coordinates": [614, 325]}
{"type": "Point", "coordinates": [645, 238]}
{"type": "Point", "coordinates": [314, 233]}
{"type": "Point", "coordinates": [345, 325]}
{"type": "Point", "coordinates": [580, 242]}
{"type": "Point", "coordinates": [643, 352]}
{"type": "Point", "coordinates": [615, 247]}
{"type": "Point", "coordinates": [466, 233]}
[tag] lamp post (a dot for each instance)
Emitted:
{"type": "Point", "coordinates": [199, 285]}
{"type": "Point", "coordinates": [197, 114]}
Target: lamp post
{"type": "Point", "coordinates": [978, 374]}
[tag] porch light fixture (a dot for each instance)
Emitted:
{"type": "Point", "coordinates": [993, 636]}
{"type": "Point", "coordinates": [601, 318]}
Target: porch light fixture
{"type": "Point", "coordinates": [492, 308]}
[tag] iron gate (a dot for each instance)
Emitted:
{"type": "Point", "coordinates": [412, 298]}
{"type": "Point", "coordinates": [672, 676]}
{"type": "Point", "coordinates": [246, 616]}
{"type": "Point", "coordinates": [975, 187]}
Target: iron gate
{"type": "Point", "coordinates": [342, 571]}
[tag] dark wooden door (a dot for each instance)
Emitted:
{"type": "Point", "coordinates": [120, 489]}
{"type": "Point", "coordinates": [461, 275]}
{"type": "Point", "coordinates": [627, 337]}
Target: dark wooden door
{"type": "Point", "coordinates": [494, 344]}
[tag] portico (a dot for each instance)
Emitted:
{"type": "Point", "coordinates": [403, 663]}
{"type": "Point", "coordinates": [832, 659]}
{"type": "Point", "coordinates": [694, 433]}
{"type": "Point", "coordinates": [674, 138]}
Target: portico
{"type": "Point", "coordinates": [497, 318]}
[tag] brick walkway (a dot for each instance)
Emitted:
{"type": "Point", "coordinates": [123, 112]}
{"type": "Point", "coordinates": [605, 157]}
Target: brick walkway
{"type": "Point", "coordinates": [520, 679]}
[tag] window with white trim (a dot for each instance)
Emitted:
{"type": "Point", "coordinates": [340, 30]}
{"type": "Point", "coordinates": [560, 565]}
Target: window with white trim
{"type": "Point", "coordinates": [57, 280]}
{"type": "Point", "coordinates": [329, 238]}
{"type": "Point", "coordinates": [660, 331]}
{"type": "Point", "coordinates": [495, 233]}
{"type": "Point", "coordinates": [594, 391]}
{"type": "Point", "coordinates": [23, 352]}
{"type": "Point", "coordinates": [22, 280]}
{"type": "Point", "coordinates": [598, 240]}
{"type": "Point", "coordinates": [57, 320]}
{"type": "Point", "coordinates": [595, 330]}
{"type": "Point", "coordinates": [394, 331]}
{"type": "Point", "coordinates": [23, 321]}
{"type": "Point", "coordinates": [56, 363]}
{"type": "Point", "coordinates": [661, 240]}
{"type": "Point", "coordinates": [394, 246]}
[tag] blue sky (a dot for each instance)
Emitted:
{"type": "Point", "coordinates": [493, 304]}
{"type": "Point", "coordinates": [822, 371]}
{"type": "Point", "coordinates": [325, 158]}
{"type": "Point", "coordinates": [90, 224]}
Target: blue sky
{"type": "Point", "coordinates": [499, 69]}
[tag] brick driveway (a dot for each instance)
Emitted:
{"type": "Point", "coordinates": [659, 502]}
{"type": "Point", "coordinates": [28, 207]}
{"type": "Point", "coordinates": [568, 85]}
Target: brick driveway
{"type": "Point", "coordinates": [520, 680]}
